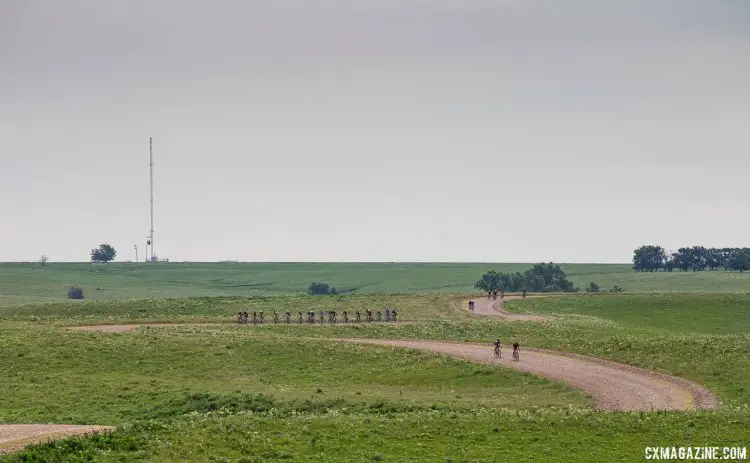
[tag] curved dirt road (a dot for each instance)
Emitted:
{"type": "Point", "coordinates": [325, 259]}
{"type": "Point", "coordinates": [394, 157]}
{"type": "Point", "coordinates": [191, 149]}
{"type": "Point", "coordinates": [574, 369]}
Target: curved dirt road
{"type": "Point", "coordinates": [613, 386]}
{"type": "Point", "coordinates": [14, 437]}
{"type": "Point", "coordinates": [484, 306]}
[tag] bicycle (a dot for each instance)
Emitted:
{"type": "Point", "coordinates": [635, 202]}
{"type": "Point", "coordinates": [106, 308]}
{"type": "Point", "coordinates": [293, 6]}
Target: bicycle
{"type": "Point", "coordinates": [288, 318]}
{"type": "Point", "coordinates": [516, 356]}
{"type": "Point", "coordinates": [498, 353]}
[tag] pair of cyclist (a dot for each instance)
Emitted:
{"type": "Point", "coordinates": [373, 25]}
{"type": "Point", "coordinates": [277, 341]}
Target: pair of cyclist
{"type": "Point", "coordinates": [516, 350]}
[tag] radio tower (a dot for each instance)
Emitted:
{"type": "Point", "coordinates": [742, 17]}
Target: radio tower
{"type": "Point", "coordinates": [151, 168]}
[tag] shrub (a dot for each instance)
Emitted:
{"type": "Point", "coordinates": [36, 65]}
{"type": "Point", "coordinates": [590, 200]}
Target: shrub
{"type": "Point", "coordinates": [592, 288]}
{"type": "Point", "coordinates": [74, 292]}
{"type": "Point", "coordinates": [317, 289]}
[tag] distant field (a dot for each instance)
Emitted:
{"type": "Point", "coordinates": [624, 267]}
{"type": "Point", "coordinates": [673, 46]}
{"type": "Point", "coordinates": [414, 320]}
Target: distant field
{"type": "Point", "coordinates": [35, 283]}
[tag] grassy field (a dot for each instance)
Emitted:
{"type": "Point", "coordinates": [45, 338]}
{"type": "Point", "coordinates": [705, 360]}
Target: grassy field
{"type": "Point", "coordinates": [35, 283]}
{"type": "Point", "coordinates": [282, 393]}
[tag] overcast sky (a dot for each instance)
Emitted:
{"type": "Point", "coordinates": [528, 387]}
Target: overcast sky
{"type": "Point", "coordinates": [340, 130]}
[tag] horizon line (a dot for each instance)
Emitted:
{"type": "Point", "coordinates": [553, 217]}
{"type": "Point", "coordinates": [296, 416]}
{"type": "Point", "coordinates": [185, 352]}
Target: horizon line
{"type": "Point", "coordinates": [313, 262]}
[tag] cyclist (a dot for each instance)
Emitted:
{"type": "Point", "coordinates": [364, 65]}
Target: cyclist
{"type": "Point", "coordinates": [498, 354]}
{"type": "Point", "coordinates": [393, 314]}
{"type": "Point", "coordinates": [359, 316]}
{"type": "Point", "coordinates": [516, 351]}
{"type": "Point", "coordinates": [387, 313]}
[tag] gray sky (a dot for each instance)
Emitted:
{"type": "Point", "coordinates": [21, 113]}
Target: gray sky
{"type": "Point", "coordinates": [302, 130]}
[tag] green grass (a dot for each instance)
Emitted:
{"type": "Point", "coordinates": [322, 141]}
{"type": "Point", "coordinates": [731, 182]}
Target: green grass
{"type": "Point", "coordinates": [280, 393]}
{"type": "Point", "coordinates": [61, 376]}
{"type": "Point", "coordinates": [674, 313]}
{"type": "Point", "coordinates": [35, 283]}
{"type": "Point", "coordinates": [431, 436]}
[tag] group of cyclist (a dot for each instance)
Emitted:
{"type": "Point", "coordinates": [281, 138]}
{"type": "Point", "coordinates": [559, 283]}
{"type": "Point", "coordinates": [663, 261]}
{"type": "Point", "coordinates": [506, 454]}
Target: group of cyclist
{"type": "Point", "coordinates": [258, 317]}
{"type": "Point", "coordinates": [516, 350]}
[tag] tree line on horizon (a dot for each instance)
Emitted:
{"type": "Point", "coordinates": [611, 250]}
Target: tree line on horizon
{"type": "Point", "coordinates": [653, 258]}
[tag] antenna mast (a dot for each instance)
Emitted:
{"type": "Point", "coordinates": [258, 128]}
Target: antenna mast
{"type": "Point", "coordinates": [151, 167]}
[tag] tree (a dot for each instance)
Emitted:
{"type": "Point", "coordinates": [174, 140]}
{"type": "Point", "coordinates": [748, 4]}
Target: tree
{"type": "Point", "coordinates": [104, 253]}
{"type": "Point", "coordinates": [740, 261]}
{"type": "Point", "coordinates": [490, 281]}
{"type": "Point", "coordinates": [714, 258]}
{"type": "Point", "coordinates": [43, 260]}
{"type": "Point", "coordinates": [548, 278]}
{"type": "Point", "coordinates": [649, 258]}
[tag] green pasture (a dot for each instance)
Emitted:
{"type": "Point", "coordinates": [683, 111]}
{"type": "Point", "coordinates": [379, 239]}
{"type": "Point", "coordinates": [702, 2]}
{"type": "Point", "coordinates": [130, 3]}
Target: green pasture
{"type": "Point", "coordinates": [33, 282]}
{"type": "Point", "coordinates": [225, 392]}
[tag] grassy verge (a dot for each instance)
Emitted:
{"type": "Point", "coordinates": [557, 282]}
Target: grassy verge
{"type": "Point", "coordinates": [667, 313]}
{"type": "Point", "coordinates": [54, 376]}
{"type": "Point", "coordinates": [432, 435]}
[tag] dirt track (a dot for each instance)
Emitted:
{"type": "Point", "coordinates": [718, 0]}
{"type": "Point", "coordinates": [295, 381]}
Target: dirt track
{"type": "Point", "coordinates": [14, 437]}
{"type": "Point", "coordinates": [613, 386]}
{"type": "Point", "coordinates": [135, 326]}
{"type": "Point", "coordinates": [484, 306]}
